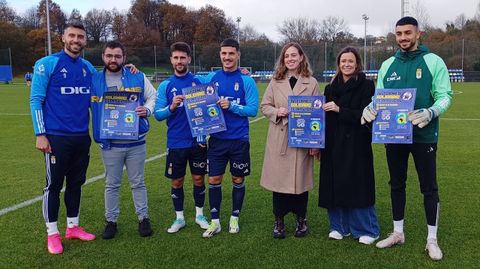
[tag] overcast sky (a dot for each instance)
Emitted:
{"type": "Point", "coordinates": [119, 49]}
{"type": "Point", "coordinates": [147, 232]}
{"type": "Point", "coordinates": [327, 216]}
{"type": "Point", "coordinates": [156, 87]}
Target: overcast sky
{"type": "Point", "coordinates": [266, 15]}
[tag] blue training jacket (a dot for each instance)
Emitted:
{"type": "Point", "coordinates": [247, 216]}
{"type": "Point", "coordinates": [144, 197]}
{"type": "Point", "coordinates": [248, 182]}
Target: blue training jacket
{"type": "Point", "coordinates": [131, 83]}
{"type": "Point", "coordinates": [60, 95]}
{"type": "Point", "coordinates": [242, 93]}
{"type": "Point", "coordinates": [178, 133]}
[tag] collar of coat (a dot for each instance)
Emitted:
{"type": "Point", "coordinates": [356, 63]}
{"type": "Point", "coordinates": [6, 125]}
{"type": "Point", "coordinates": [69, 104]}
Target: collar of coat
{"type": "Point", "coordinates": [300, 86]}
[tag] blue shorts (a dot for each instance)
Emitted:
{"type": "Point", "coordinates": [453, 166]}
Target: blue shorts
{"type": "Point", "coordinates": [221, 151]}
{"type": "Point", "coordinates": [177, 161]}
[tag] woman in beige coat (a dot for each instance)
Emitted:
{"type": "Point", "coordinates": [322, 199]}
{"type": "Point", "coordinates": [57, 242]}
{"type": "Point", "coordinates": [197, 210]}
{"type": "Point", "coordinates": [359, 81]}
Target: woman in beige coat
{"type": "Point", "coordinates": [287, 172]}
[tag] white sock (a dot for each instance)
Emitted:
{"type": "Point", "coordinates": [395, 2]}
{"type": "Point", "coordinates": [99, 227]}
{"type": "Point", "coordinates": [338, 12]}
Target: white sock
{"type": "Point", "coordinates": [72, 222]}
{"type": "Point", "coordinates": [179, 214]}
{"type": "Point", "coordinates": [398, 226]}
{"type": "Point", "coordinates": [199, 211]}
{"type": "Point", "coordinates": [217, 221]}
{"type": "Point", "coordinates": [432, 232]}
{"type": "Point", "coordinates": [52, 228]}
{"type": "Point", "coordinates": [233, 217]}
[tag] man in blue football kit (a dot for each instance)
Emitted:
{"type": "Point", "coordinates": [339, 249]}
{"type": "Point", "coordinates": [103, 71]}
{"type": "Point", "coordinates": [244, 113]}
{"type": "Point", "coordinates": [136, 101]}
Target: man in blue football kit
{"type": "Point", "coordinates": [117, 153]}
{"type": "Point", "coordinates": [182, 148]}
{"type": "Point", "coordinates": [59, 101]}
{"type": "Point", "coordinates": [239, 100]}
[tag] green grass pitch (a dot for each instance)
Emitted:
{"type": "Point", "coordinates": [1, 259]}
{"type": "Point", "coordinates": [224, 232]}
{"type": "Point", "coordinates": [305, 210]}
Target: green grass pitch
{"type": "Point", "coordinates": [23, 237]}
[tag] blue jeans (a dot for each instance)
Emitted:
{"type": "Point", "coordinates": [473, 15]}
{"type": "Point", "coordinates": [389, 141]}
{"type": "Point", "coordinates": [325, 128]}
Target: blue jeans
{"type": "Point", "coordinates": [355, 221]}
{"type": "Point", "coordinates": [134, 160]}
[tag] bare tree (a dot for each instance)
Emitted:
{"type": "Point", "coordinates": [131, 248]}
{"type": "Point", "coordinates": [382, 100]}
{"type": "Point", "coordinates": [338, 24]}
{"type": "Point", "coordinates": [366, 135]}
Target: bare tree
{"type": "Point", "coordinates": [97, 24]}
{"type": "Point", "coordinates": [301, 30]}
{"type": "Point", "coordinates": [30, 19]}
{"type": "Point", "coordinates": [421, 14]}
{"type": "Point", "coordinates": [7, 14]}
{"type": "Point", "coordinates": [75, 15]}
{"type": "Point", "coordinates": [119, 24]}
{"type": "Point", "coordinates": [333, 28]}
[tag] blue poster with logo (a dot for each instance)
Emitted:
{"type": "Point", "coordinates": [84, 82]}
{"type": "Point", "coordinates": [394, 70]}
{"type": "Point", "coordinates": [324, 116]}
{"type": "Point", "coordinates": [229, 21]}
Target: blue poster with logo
{"type": "Point", "coordinates": [204, 114]}
{"type": "Point", "coordinates": [119, 120]}
{"type": "Point", "coordinates": [306, 122]}
{"type": "Point", "coordinates": [392, 125]}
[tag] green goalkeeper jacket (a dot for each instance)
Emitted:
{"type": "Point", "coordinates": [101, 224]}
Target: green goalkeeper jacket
{"type": "Point", "coordinates": [426, 72]}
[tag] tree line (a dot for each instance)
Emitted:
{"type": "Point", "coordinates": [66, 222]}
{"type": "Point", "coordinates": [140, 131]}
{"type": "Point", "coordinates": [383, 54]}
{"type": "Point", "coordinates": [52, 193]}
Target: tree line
{"type": "Point", "coordinates": [158, 23]}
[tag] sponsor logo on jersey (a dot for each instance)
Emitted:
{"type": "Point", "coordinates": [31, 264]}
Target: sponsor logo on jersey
{"type": "Point", "coordinates": [236, 87]}
{"type": "Point", "coordinates": [394, 77]}
{"type": "Point", "coordinates": [74, 90]}
{"type": "Point", "coordinates": [64, 72]}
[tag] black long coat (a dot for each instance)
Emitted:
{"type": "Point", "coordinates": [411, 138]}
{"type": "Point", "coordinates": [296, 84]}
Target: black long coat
{"type": "Point", "coordinates": [346, 169]}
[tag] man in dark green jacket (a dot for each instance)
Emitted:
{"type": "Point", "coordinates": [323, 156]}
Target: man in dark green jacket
{"type": "Point", "coordinates": [413, 66]}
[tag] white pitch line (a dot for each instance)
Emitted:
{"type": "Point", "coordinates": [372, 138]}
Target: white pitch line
{"type": "Point", "coordinates": [12, 208]}
{"type": "Point", "coordinates": [460, 119]}
{"type": "Point", "coordinates": [15, 114]}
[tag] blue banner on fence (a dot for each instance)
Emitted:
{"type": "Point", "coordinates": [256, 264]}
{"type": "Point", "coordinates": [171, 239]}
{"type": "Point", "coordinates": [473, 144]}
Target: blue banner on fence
{"type": "Point", "coordinates": [5, 73]}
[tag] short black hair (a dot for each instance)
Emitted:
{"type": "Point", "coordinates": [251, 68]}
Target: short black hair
{"type": "Point", "coordinates": [75, 24]}
{"type": "Point", "coordinates": [407, 20]}
{"type": "Point", "coordinates": [114, 45]}
{"type": "Point", "coordinates": [230, 42]}
{"type": "Point", "coordinates": [180, 46]}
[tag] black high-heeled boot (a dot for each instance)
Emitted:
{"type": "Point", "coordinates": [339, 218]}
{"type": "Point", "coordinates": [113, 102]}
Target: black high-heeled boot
{"type": "Point", "coordinates": [302, 228]}
{"type": "Point", "coordinates": [279, 228]}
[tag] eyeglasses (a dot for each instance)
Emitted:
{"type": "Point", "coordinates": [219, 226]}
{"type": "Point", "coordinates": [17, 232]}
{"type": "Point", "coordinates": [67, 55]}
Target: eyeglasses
{"type": "Point", "coordinates": [111, 56]}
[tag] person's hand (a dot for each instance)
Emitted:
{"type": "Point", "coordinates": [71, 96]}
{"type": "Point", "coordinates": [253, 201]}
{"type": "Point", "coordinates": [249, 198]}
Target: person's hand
{"type": "Point", "coordinates": [42, 144]}
{"type": "Point", "coordinates": [224, 103]}
{"type": "Point", "coordinates": [369, 114]}
{"type": "Point", "coordinates": [133, 69]}
{"type": "Point", "coordinates": [176, 101]}
{"type": "Point", "coordinates": [331, 106]}
{"type": "Point", "coordinates": [315, 153]}
{"type": "Point", "coordinates": [421, 117]}
{"type": "Point", "coordinates": [141, 111]}
{"type": "Point", "coordinates": [282, 112]}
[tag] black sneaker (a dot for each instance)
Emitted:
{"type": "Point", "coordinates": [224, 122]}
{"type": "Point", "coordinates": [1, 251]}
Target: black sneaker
{"type": "Point", "coordinates": [279, 228]}
{"type": "Point", "coordinates": [144, 228]}
{"type": "Point", "coordinates": [302, 228]}
{"type": "Point", "coordinates": [110, 230]}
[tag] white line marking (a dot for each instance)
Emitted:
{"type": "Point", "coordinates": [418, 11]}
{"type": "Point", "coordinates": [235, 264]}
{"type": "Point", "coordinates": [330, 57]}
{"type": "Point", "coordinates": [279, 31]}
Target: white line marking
{"type": "Point", "coordinates": [459, 119]}
{"type": "Point", "coordinates": [15, 114]}
{"type": "Point", "coordinates": [9, 209]}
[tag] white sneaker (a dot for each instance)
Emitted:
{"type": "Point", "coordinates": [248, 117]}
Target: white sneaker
{"type": "Point", "coordinates": [201, 220]}
{"type": "Point", "coordinates": [234, 228]}
{"type": "Point", "coordinates": [335, 235]}
{"type": "Point", "coordinates": [433, 249]}
{"type": "Point", "coordinates": [392, 240]}
{"type": "Point", "coordinates": [367, 240]}
{"type": "Point", "coordinates": [176, 226]}
{"type": "Point", "coordinates": [212, 230]}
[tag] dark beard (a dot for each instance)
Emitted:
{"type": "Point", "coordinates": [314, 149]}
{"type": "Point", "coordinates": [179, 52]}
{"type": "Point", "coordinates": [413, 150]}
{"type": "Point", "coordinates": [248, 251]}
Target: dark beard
{"type": "Point", "coordinates": [119, 67]}
{"type": "Point", "coordinates": [181, 72]}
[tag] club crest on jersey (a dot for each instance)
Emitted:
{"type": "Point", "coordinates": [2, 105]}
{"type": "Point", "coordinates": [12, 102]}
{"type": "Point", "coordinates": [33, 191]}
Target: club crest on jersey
{"type": "Point", "coordinates": [236, 87]}
{"type": "Point", "coordinates": [41, 69]}
{"type": "Point", "coordinates": [418, 74]}
{"type": "Point", "coordinates": [53, 160]}
{"type": "Point", "coordinates": [210, 90]}
{"type": "Point", "coordinates": [64, 72]}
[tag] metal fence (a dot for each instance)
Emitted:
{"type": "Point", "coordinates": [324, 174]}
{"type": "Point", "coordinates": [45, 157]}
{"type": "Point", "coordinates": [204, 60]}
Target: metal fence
{"type": "Point", "coordinates": [457, 54]}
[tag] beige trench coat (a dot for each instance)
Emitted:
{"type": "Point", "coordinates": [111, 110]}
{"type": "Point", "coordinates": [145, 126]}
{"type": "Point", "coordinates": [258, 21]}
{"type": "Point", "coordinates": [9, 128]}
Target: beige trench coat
{"type": "Point", "coordinates": [285, 169]}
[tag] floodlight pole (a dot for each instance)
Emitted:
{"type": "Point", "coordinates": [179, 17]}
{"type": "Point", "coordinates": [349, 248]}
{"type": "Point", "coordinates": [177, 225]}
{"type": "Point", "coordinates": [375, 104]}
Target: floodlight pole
{"type": "Point", "coordinates": [194, 58]}
{"type": "Point", "coordinates": [365, 18]}
{"type": "Point", "coordinates": [155, 57]}
{"type": "Point", "coordinates": [10, 56]}
{"type": "Point", "coordinates": [49, 40]}
{"type": "Point", "coordinates": [238, 35]}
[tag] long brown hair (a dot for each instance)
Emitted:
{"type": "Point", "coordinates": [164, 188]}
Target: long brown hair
{"type": "Point", "coordinates": [358, 59]}
{"type": "Point", "coordinates": [280, 68]}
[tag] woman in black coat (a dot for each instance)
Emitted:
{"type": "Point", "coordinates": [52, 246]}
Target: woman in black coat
{"type": "Point", "coordinates": [347, 183]}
